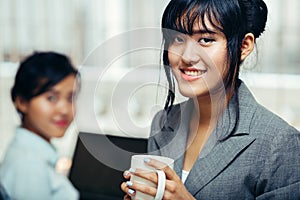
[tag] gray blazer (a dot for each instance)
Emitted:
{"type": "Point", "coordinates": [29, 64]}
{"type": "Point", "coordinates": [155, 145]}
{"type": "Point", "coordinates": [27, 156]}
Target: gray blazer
{"type": "Point", "coordinates": [256, 157]}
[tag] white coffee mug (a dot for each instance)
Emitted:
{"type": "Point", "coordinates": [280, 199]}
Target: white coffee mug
{"type": "Point", "coordinates": [138, 162]}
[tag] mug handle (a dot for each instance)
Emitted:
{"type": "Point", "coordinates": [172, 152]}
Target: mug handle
{"type": "Point", "coordinates": [160, 185]}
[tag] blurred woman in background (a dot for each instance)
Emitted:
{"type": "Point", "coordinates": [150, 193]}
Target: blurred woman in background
{"type": "Point", "coordinates": [43, 93]}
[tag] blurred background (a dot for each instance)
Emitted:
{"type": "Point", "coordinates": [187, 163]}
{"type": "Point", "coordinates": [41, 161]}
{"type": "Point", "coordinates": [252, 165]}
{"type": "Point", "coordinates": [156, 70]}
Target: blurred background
{"type": "Point", "coordinates": [78, 27]}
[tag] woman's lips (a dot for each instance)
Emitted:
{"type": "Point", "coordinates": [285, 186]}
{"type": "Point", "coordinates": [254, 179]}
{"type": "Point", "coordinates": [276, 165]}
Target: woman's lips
{"type": "Point", "coordinates": [62, 123]}
{"type": "Point", "coordinates": [191, 74]}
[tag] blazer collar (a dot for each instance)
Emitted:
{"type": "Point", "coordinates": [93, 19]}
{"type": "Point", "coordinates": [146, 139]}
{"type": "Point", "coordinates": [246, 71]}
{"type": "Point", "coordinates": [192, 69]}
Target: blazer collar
{"type": "Point", "coordinates": [226, 123]}
{"type": "Point", "coordinates": [246, 106]}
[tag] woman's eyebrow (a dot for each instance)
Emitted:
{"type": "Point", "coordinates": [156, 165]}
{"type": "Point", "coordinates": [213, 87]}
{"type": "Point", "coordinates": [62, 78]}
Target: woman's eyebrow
{"type": "Point", "coordinates": [203, 31]}
{"type": "Point", "coordinates": [52, 90]}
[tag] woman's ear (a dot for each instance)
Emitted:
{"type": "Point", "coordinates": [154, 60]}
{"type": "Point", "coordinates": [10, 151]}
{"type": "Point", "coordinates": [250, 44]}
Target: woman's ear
{"type": "Point", "coordinates": [21, 104]}
{"type": "Point", "coordinates": [247, 45]}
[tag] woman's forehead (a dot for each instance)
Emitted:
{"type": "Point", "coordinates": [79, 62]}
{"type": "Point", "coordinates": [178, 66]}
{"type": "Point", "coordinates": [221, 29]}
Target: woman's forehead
{"type": "Point", "coordinates": [205, 23]}
{"type": "Point", "coordinates": [198, 24]}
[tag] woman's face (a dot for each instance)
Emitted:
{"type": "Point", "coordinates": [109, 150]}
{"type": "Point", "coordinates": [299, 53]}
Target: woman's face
{"type": "Point", "coordinates": [199, 61]}
{"type": "Point", "coordinates": [50, 113]}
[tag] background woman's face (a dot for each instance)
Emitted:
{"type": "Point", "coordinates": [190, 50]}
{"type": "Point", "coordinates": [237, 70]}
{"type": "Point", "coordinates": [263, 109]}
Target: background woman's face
{"type": "Point", "coordinates": [199, 61]}
{"type": "Point", "coordinates": [50, 113]}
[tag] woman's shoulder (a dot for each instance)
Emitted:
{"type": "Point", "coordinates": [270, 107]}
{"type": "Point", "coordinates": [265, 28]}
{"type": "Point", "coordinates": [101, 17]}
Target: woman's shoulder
{"type": "Point", "coordinates": [23, 158]}
{"type": "Point", "coordinates": [19, 175]}
{"type": "Point", "coordinates": [23, 162]}
{"type": "Point", "coordinates": [268, 119]}
{"type": "Point", "coordinates": [268, 126]}
{"type": "Point", "coordinates": [261, 121]}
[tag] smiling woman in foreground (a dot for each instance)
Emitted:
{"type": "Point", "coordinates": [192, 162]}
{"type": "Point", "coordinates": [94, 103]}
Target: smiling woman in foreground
{"type": "Point", "coordinates": [225, 144]}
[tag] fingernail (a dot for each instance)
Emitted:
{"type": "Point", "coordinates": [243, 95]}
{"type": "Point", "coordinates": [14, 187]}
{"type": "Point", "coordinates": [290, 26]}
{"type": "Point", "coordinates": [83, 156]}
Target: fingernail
{"type": "Point", "coordinates": [127, 173]}
{"type": "Point", "coordinates": [129, 183]}
{"type": "Point", "coordinates": [146, 160]}
{"type": "Point", "coordinates": [132, 170]}
{"type": "Point", "coordinates": [130, 191]}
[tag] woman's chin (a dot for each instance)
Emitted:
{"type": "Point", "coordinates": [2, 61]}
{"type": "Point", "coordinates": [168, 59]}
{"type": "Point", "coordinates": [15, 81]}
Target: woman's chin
{"type": "Point", "coordinates": [193, 92]}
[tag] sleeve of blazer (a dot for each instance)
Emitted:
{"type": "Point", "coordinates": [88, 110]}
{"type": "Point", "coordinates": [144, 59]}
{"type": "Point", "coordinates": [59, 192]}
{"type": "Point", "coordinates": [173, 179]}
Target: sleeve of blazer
{"type": "Point", "coordinates": [280, 178]}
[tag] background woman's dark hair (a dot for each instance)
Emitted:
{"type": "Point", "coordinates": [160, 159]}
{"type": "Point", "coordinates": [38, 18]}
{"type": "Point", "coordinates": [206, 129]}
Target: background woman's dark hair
{"type": "Point", "coordinates": [234, 18]}
{"type": "Point", "coordinates": [39, 72]}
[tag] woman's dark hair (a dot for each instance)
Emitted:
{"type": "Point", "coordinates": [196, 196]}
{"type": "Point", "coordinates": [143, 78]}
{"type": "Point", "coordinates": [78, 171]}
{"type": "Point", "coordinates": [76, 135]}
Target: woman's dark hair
{"type": "Point", "coordinates": [39, 72]}
{"type": "Point", "coordinates": [234, 18]}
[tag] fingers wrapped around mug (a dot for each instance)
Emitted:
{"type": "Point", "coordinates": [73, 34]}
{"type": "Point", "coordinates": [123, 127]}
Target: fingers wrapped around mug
{"type": "Point", "coordinates": [129, 191]}
{"type": "Point", "coordinates": [170, 173]}
{"type": "Point", "coordinates": [150, 185]}
{"type": "Point", "coordinates": [146, 181]}
{"type": "Point", "coordinates": [174, 188]}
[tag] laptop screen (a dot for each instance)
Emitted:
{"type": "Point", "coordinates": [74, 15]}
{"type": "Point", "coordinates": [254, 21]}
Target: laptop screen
{"type": "Point", "coordinates": [99, 162]}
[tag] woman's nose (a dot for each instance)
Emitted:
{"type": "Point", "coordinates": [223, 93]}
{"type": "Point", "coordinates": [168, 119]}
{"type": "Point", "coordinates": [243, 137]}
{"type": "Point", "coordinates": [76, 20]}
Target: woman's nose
{"type": "Point", "coordinates": [191, 53]}
{"type": "Point", "coordinates": [64, 107]}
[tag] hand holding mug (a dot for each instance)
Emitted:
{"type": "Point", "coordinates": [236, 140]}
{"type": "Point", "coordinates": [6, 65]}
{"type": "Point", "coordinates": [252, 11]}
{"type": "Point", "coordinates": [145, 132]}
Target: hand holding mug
{"type": "Point", "coordinates": [173, 188]}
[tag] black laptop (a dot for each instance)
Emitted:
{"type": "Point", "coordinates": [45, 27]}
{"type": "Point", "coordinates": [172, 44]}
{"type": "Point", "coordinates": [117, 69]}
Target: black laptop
{"type": "Point", "coordinates": [98, 164]}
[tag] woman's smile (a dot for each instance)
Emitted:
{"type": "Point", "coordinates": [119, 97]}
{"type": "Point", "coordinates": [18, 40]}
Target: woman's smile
{"type": "Point", "coordinates": [62, 123]}
{"type": "Point", "coordinates": [192, 73]}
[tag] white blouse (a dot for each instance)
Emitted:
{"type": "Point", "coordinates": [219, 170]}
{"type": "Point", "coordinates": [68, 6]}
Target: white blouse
{"type": "Point", "coordinates": [184, 175]}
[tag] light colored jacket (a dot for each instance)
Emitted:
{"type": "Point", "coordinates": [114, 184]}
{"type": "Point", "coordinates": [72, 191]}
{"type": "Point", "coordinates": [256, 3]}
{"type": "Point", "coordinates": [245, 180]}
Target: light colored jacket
{"type": "Point", "coordinates": [28, 170]}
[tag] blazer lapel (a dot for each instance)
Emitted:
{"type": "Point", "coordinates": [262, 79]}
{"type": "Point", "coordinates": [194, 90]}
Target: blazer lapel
{"type": "Point", "coordinates": [207, 168]}
{"type": "Point", "coordinates": [173, 136]}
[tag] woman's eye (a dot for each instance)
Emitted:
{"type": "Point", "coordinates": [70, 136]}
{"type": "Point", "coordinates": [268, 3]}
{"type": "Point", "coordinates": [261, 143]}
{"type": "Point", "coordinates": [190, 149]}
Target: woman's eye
{"type": "Point", "coordinates": [52, 98]}
{"type": "Point", "coordinates": [178, 39]}
{"type": "Point", "coordinates": [206, 41]}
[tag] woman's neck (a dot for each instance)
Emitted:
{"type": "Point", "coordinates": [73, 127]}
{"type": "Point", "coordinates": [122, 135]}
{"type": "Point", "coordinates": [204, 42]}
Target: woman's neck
{"type": "Point", "coordinates": [203, 121]}
{"type": "Point", "coordinates": [209, 108]}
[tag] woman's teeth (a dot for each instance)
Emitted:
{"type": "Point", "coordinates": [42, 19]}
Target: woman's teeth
{"type": "Point", "coordinates": [194, 73]}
